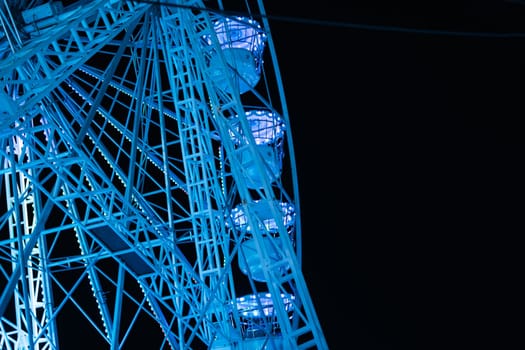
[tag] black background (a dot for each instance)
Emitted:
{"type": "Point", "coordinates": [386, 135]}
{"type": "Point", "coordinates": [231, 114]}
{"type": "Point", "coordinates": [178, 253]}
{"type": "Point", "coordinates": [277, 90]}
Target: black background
{"type": "Point", "coordinates": [409, 149]}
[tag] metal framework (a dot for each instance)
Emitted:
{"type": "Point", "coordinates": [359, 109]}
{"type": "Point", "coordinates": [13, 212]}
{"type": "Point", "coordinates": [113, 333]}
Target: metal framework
{"type": "Point", "coordinates": [147, 177]}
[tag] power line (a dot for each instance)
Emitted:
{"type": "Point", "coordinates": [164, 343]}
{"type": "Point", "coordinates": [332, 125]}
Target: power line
{"type": "Point", "coordinates": [351, 25]}
{"type": "Point", "coordinates": [386, 28]}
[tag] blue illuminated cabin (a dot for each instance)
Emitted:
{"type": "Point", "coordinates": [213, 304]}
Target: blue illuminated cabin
{"type": "Point", "coordinates": [242, 43]}
{"type": "Point", "coordinates": [267, 129]}
{"type": "Point", "coordinates": [249, 259]}
{"type": "Point", "coordinates": [256, 312]}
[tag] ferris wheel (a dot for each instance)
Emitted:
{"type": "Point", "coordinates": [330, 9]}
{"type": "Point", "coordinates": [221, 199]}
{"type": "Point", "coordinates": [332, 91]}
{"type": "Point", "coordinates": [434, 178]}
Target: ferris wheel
{"type": "Point", "coordinates": [148, 187]}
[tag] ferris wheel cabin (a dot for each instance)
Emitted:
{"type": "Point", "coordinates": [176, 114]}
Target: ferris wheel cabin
{"type": "Point", "coordinates": [267, 129]}
{"type": "Point", "coordinates": [241, 42]}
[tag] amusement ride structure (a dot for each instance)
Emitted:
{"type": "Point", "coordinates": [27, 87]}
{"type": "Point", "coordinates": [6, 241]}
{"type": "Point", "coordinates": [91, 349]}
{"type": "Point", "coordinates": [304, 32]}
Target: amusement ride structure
{"type": "Point", "coordinates": [147, 179]}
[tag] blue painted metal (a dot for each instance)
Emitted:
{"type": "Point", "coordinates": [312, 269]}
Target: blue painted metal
{"type": "Point", "coordinates": [137, 188]}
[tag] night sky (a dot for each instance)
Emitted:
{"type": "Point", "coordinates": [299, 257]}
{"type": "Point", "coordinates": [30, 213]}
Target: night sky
{"type": "Point", "coordinates": [409, 148]}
